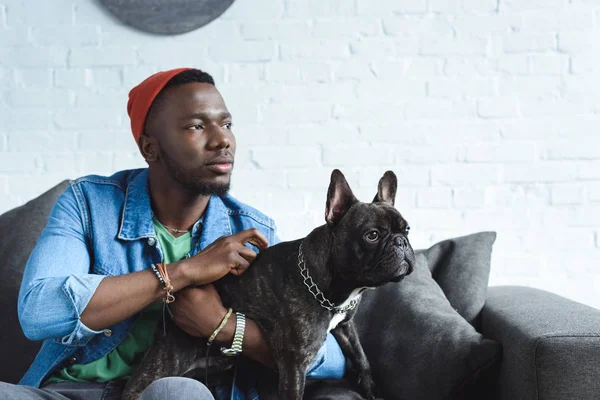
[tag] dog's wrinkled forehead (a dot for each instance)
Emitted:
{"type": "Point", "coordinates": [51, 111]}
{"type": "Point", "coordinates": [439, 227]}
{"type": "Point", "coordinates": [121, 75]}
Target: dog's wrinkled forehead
{"type": "Point", "coordinates": [375, 215]}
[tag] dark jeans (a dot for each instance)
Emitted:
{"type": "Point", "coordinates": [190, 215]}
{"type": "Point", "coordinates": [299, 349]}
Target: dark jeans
{"type": "Point", "coordinates": [165, 388]}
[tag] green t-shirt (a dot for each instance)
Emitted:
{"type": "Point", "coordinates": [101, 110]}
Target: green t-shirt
{"type": "Point", "coordinates": [122, 360]}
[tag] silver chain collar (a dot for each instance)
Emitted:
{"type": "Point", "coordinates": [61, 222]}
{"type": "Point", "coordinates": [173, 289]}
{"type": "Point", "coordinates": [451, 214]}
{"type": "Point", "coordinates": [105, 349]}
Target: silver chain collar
{"type": "Point", "coordinates": [316, 292]}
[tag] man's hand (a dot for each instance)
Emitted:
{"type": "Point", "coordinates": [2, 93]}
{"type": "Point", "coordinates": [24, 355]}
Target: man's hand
{"type": "Point", "coordinates": [225, 255]}
{"type": "Point", "coordinates": [198, 310]}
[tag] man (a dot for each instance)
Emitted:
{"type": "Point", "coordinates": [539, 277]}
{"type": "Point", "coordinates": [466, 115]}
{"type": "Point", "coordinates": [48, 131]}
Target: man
{"type": "Point", "coordinates": [91, 289]}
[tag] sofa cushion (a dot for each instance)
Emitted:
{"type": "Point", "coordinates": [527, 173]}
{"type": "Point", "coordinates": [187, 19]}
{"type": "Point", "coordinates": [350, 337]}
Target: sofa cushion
{"type": "Point", "coordinates": [461, 267]}
{"type": "Point", "coordinates": [20, 229]}
{"type": "Point", "coordinates": [419, 346]}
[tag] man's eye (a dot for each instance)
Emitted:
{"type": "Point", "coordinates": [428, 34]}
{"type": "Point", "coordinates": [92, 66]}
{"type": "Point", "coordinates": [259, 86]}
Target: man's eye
{"type": "Point", "coordinates": [196, 127]}
{"type": "Point", "coordinates": [372, 236]}
{"type": "Point", "coordinates": [229, 125]}
{"type": "Point", "coordinates": [407, 230]}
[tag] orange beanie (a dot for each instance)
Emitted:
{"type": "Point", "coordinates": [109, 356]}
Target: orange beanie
{"type": "Point", "coordinates": [142, 96]}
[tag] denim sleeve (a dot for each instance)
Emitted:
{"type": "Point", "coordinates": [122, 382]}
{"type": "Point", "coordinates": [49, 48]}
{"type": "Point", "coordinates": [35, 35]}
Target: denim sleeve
{"type": "Point", "coordinates": [329, 363]}
{"type": "Point", "coordinates": [274, 238]}
{"type": "Point", "coordinates": [57, 285]}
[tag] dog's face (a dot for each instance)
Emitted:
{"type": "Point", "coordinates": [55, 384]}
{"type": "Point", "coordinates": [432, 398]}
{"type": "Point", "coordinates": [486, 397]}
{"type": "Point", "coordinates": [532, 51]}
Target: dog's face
{"type": "Point", "coordinates": [370, 240]}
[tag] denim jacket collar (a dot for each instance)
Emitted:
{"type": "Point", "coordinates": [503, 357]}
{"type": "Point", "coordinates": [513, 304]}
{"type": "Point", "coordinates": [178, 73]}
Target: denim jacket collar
{"type": "Point", "coordinates": [136, 221]}
{"type": "Point", "coordinates": [217, 221]}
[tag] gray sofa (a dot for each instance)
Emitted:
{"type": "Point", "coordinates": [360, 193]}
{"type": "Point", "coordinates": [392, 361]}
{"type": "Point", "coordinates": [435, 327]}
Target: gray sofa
{"type": "Point", "coordinates": [550, 345]}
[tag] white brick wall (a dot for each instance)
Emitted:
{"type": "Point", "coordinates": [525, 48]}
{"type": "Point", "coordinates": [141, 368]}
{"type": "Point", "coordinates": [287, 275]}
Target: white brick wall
{"type": "Point", "coordinates": [488, 111]}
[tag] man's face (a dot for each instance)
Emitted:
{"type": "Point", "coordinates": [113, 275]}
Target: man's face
{"type": "Point", "coordinates": [195, 143]}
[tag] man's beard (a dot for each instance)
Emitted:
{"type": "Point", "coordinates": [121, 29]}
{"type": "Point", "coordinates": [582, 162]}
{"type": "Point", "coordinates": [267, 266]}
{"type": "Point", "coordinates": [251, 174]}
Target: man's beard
{"type": "Point", "coordinates": [191, 182]}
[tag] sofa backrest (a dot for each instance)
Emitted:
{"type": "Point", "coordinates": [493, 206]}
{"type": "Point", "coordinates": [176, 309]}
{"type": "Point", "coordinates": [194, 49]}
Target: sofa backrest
{"type": "Point", "coordinates": [19, 230]}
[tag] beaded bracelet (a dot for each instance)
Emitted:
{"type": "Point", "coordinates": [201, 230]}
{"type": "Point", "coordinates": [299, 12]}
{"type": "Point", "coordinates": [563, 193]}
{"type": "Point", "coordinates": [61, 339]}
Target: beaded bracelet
{"type": "Point", "coordinates": [158, 275]}
{"type": "Point", "coordinates": [160, 270]}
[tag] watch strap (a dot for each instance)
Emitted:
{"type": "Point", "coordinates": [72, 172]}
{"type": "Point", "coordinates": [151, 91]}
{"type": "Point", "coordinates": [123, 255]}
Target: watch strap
{"type": "Point", "coordinates": [238, 337]}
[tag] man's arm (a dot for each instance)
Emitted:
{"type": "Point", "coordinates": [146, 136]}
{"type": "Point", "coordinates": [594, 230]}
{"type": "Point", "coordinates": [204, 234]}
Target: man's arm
{"type": "Point", "coordinates": [120, 297]}
{"type": "Point", "coordinates": [59, 298]}
{"type": "Point", "coordinates": [198, 311]}
{"type": "Point", "coordinates": [57, 285]}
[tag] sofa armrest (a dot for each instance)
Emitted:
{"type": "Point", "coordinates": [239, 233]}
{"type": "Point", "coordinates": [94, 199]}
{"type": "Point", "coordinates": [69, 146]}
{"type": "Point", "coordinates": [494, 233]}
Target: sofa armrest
{"type": "Point", "coordinates": [551, 345]}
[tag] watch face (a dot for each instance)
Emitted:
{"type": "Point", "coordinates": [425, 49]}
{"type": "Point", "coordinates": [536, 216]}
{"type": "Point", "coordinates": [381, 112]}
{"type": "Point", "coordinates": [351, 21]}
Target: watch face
{"type": "Point", "coordinates": [229, 352]}
{"type": "Point", "coordinates": [166, 17]}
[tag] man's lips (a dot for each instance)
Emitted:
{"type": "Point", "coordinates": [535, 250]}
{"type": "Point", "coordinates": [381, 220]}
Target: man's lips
{"type": "Point", "coordinates": [220, 165]}
{"type": "Point", "coordinates": [220, 168]}
{"type": "Point", "coordinates": [222, 159]}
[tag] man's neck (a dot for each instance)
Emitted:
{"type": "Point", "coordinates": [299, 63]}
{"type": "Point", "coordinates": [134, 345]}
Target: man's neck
{"type": "Point", "coordinates": [172, 205]}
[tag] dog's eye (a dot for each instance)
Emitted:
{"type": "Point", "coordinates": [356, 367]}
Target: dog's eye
{"type": "Point", "coordinates": [372, 236]}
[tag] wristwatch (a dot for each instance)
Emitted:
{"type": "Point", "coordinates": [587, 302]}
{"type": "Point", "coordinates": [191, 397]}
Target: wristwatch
{"type": "Point", "coordinates": [238, 337]}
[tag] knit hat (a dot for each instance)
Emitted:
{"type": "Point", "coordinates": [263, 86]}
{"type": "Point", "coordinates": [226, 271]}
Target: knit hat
{"type": "Point", "coordinates": [142, 96]}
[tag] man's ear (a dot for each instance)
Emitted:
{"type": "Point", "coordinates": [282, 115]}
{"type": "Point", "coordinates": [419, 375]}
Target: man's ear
{"type": "Point", "coordinates": [386, 190]}
{"type": "Point", "coordinates": [148, 147]}
{"type": "Point", "coordinates": [339, 198]}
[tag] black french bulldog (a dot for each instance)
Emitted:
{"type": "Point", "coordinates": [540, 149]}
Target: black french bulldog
{"type": "Point", "coordinates": [298, 291]}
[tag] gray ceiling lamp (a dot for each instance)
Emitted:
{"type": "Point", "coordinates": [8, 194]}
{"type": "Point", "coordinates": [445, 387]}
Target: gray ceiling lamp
{"type": "Point", "coordinates": [166, 17]}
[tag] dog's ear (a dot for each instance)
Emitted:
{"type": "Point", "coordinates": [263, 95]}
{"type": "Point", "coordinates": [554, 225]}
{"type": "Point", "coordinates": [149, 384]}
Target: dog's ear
{"type": "Point", "coordinates": [339, 198]}
{"type": "Point", "coordinates": [386, 190]}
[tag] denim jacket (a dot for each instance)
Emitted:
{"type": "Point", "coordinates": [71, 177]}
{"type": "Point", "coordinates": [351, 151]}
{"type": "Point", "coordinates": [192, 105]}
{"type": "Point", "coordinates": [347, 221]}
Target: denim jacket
{"type": "Point", "coordinates": [102, 226]}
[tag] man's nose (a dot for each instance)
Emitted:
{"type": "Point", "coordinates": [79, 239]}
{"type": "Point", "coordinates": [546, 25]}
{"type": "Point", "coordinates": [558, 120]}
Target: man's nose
{"type": "Point", "coordinates": [218, 138]}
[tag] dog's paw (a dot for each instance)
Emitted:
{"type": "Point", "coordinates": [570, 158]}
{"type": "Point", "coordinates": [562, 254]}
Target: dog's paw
{"type": "Point", "coordinates": [367, 386]}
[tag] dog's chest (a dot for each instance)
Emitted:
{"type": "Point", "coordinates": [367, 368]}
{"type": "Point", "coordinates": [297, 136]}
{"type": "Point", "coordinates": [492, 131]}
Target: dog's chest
{"type": "Point", "coordinates": [339, 317]}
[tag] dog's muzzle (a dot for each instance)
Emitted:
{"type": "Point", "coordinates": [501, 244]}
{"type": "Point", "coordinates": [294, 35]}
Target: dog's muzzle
{"type": "Point", "coordinates": [404, 252]}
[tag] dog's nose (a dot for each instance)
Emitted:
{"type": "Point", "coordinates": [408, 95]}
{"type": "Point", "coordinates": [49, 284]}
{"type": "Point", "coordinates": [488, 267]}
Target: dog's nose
{"type": "Point", "coordinates": [401, 241]}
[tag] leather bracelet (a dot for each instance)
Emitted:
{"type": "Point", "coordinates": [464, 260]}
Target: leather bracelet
{"type": "Point", "coordinates": [238, 338]}
{"type": "Point", "coordinates": [168, 288]}
{"type": "Point", "coordinates": [221, 325]}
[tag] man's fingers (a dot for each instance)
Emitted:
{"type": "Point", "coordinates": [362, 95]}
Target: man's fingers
{"type": "Point", "coordinates": [253, 236]}
{"type": "Point", "coordinates": [241, 267]}
{"type": "Point", "coordinates": [248, 254]}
